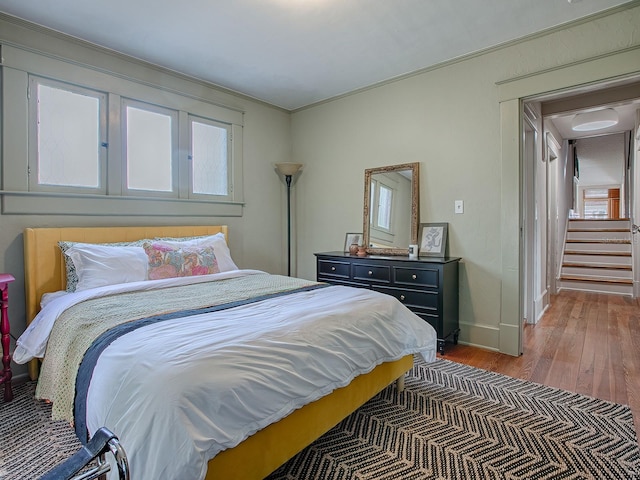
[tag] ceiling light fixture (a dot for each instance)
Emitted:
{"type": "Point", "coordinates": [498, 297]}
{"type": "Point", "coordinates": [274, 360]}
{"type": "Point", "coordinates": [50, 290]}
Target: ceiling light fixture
{"type": "Point", "coordinates": [585, 122]}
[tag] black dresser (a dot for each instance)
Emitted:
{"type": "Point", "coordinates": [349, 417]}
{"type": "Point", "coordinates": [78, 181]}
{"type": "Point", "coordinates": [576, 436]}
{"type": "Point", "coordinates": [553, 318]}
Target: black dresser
{"type": "Point", "coordinates": [428, 286]}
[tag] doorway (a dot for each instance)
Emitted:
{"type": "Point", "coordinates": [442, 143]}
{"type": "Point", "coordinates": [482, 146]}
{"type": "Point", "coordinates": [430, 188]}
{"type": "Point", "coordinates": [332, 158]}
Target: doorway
{"type": "Point", "coordinates": [556, 175]}
{"type": "Point", "coordinates": [615, 69]}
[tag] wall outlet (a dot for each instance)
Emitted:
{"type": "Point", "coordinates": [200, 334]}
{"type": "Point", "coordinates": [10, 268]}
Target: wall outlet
{"type": "Point", "coordinates": [458, 206]}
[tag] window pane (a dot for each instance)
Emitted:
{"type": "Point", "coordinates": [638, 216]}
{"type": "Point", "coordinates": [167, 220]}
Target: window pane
{"type": "Point", "coordinates": [372, 201]}
{"type": "Point", "coordinates": [209, 159]}
{"type": "Point", "coordinates": [596, 209]}
{"type": "Point", "coordinates": [384, 207]}
{"type": "Point", "coordinates": [596, 193]}
{"type": "Point", "coordinates": [149, 150]}
{"type": "Point", "coordinates": [68, 138]}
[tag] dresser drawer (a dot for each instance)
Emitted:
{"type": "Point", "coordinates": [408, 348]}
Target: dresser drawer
{"type": "Point", "coordinates": [373, 273]}
{"type": "Point", "coordinates": [414, 299]}
{"type": "Point", "coordinates": [416, 277]}
{"type": "Point", "coordinates": [333, 269]}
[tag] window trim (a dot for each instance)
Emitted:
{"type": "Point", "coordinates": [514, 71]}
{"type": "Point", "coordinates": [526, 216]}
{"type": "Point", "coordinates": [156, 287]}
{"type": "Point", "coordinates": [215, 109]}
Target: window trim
{"type": "Point", "coordinates": [20, 62]}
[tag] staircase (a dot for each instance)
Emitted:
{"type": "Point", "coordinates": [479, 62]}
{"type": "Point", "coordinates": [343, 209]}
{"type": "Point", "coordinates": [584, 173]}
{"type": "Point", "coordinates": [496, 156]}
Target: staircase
{"type": "Point", "coordinates": [597, 257]}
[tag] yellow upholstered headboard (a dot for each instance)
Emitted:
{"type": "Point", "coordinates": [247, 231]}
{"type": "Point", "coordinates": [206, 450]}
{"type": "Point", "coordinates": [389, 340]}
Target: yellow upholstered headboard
{"type": "Point", "coordinates": [44, 268]}
{"type": "Point", "coordinates": [44, 265]}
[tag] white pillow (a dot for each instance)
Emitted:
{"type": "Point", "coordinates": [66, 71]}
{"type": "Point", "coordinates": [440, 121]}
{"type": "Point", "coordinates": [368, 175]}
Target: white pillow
{"type": "Point", "coordinates": [217, 241]}
{"type": "Point", "coordinates": [100, 265]}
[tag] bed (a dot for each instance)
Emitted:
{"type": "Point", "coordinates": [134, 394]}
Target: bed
{"type": "Point", "coordinates": [261, 452]}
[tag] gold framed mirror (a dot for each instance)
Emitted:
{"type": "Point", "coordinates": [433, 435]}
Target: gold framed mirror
{"type": "Point", "coordinates": [391, 200]}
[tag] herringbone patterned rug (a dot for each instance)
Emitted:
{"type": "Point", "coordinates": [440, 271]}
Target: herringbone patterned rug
{"type": "Point", "coordinates": [451, 422]}
{"type": "Point", "coordinates": [459, 422]}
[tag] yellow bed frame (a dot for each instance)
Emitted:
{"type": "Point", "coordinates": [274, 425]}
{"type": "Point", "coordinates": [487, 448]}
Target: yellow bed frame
{"type": "Point", "coordinates": [266, 450]}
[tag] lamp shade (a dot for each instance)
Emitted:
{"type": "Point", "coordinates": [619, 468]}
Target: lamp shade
{"type": "Point", "coordinates": [585, 122]}
{"type": "Point", "coordinates": [288, 168]}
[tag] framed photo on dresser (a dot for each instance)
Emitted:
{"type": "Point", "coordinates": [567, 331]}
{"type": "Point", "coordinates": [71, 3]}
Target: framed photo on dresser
{"type": "Point", "coordinates": [433, 239]}
{"type": "Point", "coordinates": [350, 239]}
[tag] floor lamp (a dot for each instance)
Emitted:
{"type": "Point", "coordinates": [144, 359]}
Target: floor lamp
{"type": "Point", "coordinates": [288, 170]}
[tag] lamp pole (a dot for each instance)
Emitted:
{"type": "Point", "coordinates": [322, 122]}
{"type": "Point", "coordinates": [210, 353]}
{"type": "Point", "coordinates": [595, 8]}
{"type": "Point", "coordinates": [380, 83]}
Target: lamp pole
{"type": "Point", "coordinates": [288, 170]}
{"type": "Point", "coordinates": [288, 180]}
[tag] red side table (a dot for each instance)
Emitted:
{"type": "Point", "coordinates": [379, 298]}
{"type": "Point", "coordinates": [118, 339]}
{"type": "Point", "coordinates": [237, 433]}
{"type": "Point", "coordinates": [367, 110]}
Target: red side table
{"type": "Point", "coordinates": [5, 329]}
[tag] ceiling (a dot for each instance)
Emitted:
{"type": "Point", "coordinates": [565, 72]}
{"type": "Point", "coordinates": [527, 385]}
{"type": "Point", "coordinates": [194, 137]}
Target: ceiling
{"type": "Point", "coordinates": [626, 121]}
{"type": "Point", "coordinates": [295, 53]}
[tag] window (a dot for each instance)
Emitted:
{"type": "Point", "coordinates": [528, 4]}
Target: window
{"type": "Point", "coordinates": [210, 166]}
{"type": "Point", "coordinates": [596, 203]}
{"type": "Point", "coordinates": [601, 202]}
{"type": "Point", "coordinates": [86, 142]}
{"type": "Point", "coordinates": [68, 132]}
{"type": "Point", "coordinates": [150, 135]}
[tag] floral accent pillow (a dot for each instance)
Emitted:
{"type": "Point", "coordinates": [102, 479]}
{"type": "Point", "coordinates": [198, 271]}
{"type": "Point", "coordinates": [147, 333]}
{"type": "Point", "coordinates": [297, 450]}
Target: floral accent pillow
{"type": "Point", "coordinates": [168, 260]}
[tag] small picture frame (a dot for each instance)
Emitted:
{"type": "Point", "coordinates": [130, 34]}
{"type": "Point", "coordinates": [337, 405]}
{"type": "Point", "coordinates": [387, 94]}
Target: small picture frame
{"type": "Point", "coordinates": [350, 239]}
{"type": "Point", "coordinates": [433, 239]}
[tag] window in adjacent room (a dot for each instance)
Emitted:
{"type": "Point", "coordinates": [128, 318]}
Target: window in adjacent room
{"type": "Point", "coordinates": [601, 203]}
{"type": "Point", "coordinates": [595, 203]}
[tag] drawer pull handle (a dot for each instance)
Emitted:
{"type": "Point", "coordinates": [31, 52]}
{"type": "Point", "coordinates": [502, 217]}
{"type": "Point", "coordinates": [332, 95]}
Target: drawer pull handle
{"type": "Point", "coordinates": [414, 276]}
{"type": "Point", "coordinates": [333, 269]}
{"type": "Point", "coordinates": [370, 272]}
{"type": "Point", "coordinates": [401, 297]}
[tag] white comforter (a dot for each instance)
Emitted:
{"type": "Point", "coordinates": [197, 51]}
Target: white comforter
{"type": "Point", "coordinates": [177, 393]}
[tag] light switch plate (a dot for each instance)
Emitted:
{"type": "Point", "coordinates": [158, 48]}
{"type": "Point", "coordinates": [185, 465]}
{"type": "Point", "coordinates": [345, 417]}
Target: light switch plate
{"type": "Point", "coordinates": [459, 206]}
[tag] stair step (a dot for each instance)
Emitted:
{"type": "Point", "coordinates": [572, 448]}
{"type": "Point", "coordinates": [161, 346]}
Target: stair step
{"type": "Point", "coordinates": [584, 246]}
{"type": "Point", "coordinates": [598, 221]}
{"type": "Point", "coordinates": [597, 256]}
{"type": "Point", "coordinates": [608, 266]}
{"type": "Point", "coordinates": [597, 253]}
{"type": "Point", "coordinates": [600, 240]}
{"type": "Point", "coordinates": [598, 259]}
{"type": "Point", "coordinates": [591, 273]}
{"type": "Point", "coordinates": [607, 288]}
{"type": "Point", "coordinates": [602, 236]}
{"type": "Point", "coordinates": [597, 230]}
{"type": "Point", "coordinates": [581, 278]}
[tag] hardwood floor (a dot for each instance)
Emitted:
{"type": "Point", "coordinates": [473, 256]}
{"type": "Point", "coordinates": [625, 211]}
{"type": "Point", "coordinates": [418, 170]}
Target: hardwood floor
{"type": "Point", "coordinates": [586, 343]}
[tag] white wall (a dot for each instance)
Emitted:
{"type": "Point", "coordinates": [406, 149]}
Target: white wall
{"type": "Point", "coordinates": [449, 119]}
{"type": "Point", "coordinates": [256, 238]}
{"type": "Point", "coordinates": [602, 163]}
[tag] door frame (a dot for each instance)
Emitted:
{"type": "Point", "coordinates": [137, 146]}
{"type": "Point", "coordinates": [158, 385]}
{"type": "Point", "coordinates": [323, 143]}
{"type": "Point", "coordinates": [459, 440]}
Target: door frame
{"type": "Point", "coordinates": [512, 94]}
{"type": "Point", "coordinates": [529, 139]}
{"type": "Point", "coordinates": [634, 206]}
{"type": "Point", "coordinates": [552, 150]}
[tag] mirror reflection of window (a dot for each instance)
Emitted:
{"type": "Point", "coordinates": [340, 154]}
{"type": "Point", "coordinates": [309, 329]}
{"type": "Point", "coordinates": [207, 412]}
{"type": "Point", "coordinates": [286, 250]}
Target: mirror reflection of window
{"type": "Point", "coordinates": [372, 201]}
{"type": "Point", "coordinates": [380, 216]}
{"type": "Point", "coordinates": [385, 200]}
